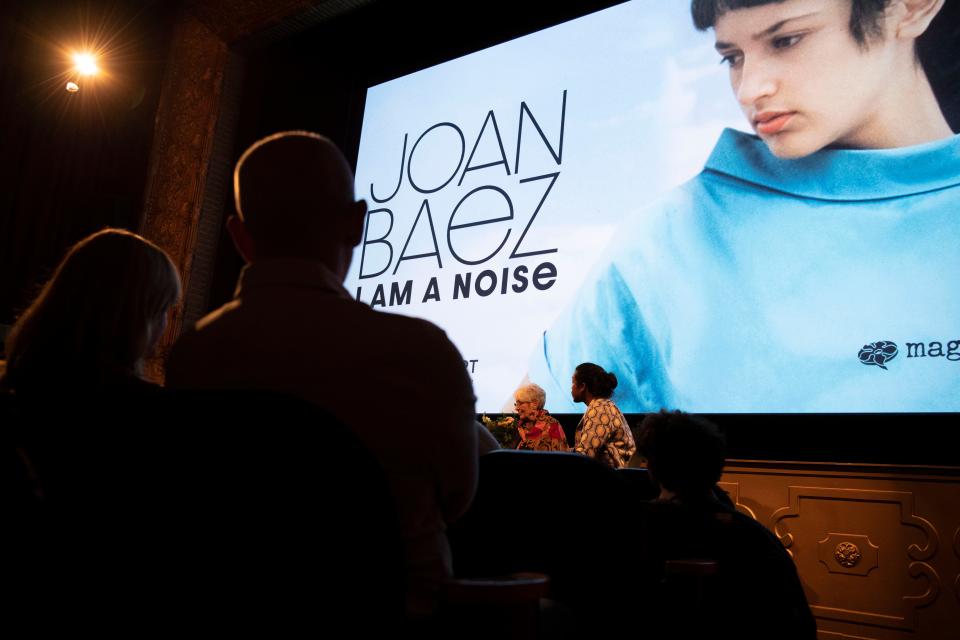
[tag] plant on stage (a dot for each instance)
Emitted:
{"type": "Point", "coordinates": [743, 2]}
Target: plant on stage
{"type": "Point", "coordinates": [504, 429]}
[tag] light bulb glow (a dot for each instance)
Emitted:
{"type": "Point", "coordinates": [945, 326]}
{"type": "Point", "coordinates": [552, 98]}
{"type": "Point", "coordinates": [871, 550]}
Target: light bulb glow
{"type": "Point", "coordinates": [85, 64]}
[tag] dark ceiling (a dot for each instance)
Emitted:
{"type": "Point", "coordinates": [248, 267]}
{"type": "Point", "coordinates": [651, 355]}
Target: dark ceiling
{"type": "Point", "coordinates": [72, 163]}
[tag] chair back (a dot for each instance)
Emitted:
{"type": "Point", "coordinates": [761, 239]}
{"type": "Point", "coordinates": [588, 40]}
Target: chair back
{"type": "Point", "coordinates": [641, 482]}
{"type": "Point", "coordinates": [712, 560]}
{"type": "Point", "coordinates": [219, 510]}
{"type": "Point", "coordinates": [560, 514]}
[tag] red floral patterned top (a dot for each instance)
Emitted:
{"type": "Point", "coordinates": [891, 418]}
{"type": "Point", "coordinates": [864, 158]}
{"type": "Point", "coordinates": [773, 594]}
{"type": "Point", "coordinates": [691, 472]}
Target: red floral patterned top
{"type": "Point", "coordinates": [542, 433]}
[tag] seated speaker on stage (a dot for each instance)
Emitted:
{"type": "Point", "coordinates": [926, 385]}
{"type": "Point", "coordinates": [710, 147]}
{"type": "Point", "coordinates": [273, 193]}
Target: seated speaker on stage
{"type": "Point", "coordinates": [603, 432]}
{"type": "Point", "coordinates": [539, 431]}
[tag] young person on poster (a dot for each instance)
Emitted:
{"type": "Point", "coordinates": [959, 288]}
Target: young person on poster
{"type": "Point", "coordinates": [809, 267]}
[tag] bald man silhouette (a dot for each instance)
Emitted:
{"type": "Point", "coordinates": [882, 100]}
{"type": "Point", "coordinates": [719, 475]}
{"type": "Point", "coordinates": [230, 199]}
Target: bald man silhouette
{"type": "Point", "coordinates": [398, 382]}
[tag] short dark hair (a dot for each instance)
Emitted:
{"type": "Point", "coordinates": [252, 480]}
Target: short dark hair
{"type": "Point", "coordinates": [865, 16]}
{"type": "Point", "coordinates": [684, 453]}
{"type": "Point", "coordinates": [599, 383]}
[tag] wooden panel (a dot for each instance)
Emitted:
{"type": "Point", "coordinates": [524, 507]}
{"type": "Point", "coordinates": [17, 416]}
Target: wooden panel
{"type": "Point", "coordinates": [733, 488]}
{"type": "Point", "coordinates": [836, 635]}
{"type": "Point", "coordinates": [866, 540]}
{"type": "Point", "coordinates": [956, 553]}
{"type": "Point", "coordinates": [874, 515]}
{"type": "Point", "coordinates": [848, 553]}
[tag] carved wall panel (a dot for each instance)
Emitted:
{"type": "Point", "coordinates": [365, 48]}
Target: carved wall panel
{"type": "Point", "coordinates": [733, 488]}
{"type": "Point", "coordinates": [903, 542]}
{"type": "Point", "coordinates": [848, 553]}
{"type": "Point", "coordinates": [866, 540]}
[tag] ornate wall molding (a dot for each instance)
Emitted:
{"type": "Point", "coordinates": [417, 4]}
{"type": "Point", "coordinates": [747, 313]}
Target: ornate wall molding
{"type": "Point", "coordinates": [848, 553]}
{"type": "Point", "coordinates": [733, 489]}
{"type": "Point", "coordinates": [916, 554]}
{"type": "Point", "coordinates": [956, 552]}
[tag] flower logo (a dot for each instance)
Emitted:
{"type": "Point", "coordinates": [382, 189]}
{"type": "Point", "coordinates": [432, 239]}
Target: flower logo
{"type": "Point", "coordinates": [878, 353]}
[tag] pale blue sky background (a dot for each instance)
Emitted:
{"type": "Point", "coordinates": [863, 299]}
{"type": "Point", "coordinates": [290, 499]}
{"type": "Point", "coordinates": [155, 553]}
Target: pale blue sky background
{"type": "Point", "coordinates": [647, 98]}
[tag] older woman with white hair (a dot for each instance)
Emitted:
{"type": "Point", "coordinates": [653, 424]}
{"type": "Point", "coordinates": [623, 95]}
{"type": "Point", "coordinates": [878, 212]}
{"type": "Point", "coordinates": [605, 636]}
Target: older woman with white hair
{"type": "Point", "coordinates": [539, 431]}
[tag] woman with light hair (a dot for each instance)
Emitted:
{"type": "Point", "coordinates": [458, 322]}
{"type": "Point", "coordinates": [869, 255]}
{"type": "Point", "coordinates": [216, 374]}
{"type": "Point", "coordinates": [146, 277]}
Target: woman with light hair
{"type": "Point", "coordinates": [539, 431]}
{"type": "Point", "coordinates": [96, 320]}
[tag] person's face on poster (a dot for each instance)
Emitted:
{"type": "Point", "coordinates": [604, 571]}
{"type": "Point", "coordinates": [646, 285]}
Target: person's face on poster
{"type": "Point", "coordinates": [599, 149]}
{"type": "Point", "coordinates": [803, 81]}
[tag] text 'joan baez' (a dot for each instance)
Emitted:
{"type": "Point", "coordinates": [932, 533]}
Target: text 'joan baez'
{"type": "Point", "coordinates": [379, 254]}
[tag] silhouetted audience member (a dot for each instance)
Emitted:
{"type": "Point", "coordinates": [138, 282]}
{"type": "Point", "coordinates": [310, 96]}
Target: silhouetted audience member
{"type": "Point", "coordinates": [685, 455]}
{"type": "Point", "coordinates": [756, 577]}
{"type": "Point", "coordinates": [96, 320]}
{"type": "Point", "coordinates": [398, 382]}
{"type": "Point", "coordinates": [154, 513]}
{"type": "Point", "coordinates": [72, 382]}
{"type": "Point", "coordinates": [603, 432]}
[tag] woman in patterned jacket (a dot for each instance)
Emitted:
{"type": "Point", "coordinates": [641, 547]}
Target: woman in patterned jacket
{"type": "Point", "coordinates": [603, 432]}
